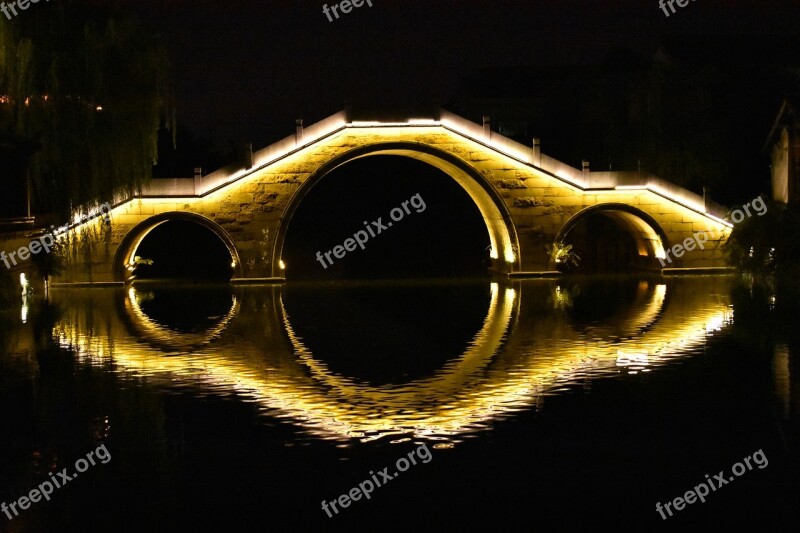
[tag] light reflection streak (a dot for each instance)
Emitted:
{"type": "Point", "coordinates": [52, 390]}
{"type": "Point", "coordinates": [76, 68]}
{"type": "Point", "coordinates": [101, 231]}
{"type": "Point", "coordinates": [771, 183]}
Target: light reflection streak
{"type": "Point", "coordinates": [164, 337]}
{"type": "Point", "coordinates": [511, 363]}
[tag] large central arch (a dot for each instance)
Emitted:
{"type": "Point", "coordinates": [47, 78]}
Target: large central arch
{"type": "Point", "coordinates": [502, 233]}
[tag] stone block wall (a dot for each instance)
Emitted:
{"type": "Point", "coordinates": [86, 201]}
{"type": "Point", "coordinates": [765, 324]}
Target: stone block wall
{"type": "Point", "coordinates": [253, 211]}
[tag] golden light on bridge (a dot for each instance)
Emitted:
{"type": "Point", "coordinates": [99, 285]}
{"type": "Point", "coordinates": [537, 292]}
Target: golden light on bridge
{"type": "Point", "coordinates": [515, 188]}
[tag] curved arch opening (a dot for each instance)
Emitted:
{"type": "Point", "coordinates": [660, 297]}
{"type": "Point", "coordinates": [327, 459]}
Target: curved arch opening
{"type": "Point", "coordinates": [387, 216]}
{"type": "Point", "coordinates": [611, 238]}
{"type": "Point", "coordinates": [177, 247]}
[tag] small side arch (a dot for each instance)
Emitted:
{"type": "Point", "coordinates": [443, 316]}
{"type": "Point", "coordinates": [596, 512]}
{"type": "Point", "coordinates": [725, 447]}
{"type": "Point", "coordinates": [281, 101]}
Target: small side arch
{"type": "Point", "coordinates": [650, 239]}
{"type": "Point", "coordinates": [130, 243]}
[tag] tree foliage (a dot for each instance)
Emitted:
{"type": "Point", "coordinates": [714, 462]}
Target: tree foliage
{"type": "Point", "coordinates": [562, 254]}
{"type": "Point", "coordinates": [90, 85]}
{"type": "Point", "coordinates": [766, 246]}
{"type": "Point", "coordinates": [697, 115]}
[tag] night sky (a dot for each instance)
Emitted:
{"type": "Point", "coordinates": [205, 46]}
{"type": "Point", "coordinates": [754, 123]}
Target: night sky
{"type": "Point", "coordinates": [245, 70]}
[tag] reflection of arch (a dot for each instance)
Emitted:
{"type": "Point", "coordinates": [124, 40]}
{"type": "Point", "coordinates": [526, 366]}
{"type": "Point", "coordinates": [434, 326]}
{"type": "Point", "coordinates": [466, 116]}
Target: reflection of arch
{"type": "Point", "coordinates": [650, 239]}
{"type": "Point", "coordinates": [649, 304]}
{"type": "Point", "coordinates": [165, 338]}
{"type": "Point", "coordinates": [449, 380]}
{"type": "Point", "coordinates": [502, 233]}
{"type": "Point", "coordinates": [130, 243]}
{"type": "Point", "coordinates": [464, 396]}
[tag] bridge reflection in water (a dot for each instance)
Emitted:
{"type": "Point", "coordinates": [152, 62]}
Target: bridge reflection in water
{"type": "Point", "coordinates": [537, 337]}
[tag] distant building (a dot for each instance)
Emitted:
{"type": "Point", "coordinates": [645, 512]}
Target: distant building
{"type": "Point", "coordinates": [783, 147]}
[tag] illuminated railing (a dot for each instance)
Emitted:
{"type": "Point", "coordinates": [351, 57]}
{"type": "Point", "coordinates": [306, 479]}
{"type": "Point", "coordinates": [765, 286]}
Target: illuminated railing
{"type": "Point", "coordinates": [570, 176]}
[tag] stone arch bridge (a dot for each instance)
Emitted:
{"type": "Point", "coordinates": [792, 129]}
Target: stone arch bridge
{"type": "Point", "coordinates": [527, 199]}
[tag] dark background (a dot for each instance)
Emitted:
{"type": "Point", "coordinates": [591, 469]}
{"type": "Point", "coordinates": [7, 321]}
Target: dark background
{"type": "Point", "coordinates": [693, 95]}
{"type": "Point", "coordinates": [245, 70]}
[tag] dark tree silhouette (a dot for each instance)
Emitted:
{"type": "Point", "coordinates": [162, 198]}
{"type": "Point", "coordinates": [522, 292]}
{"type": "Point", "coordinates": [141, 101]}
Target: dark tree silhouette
{"type": "Point", "coordinates": [87, 82]}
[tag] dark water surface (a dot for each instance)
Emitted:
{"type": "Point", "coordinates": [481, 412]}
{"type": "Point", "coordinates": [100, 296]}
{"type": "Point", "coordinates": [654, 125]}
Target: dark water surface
{"type": "Point", "coordinates": [542, 403]}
